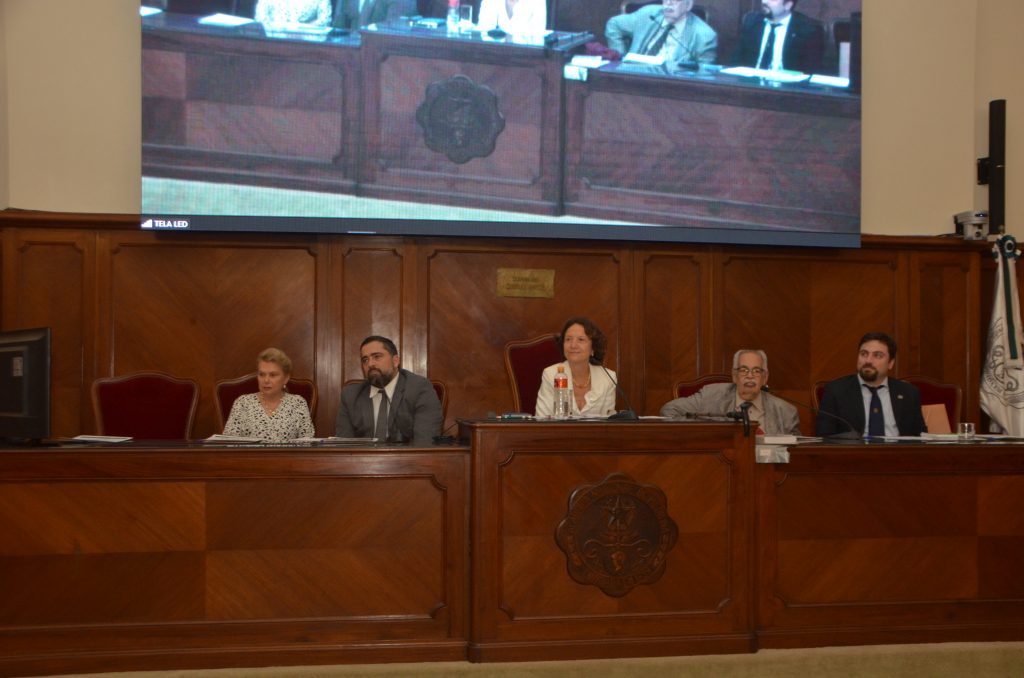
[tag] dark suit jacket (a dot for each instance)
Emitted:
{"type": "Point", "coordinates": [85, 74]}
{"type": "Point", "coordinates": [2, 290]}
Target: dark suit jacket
{"type": "Point", "coordinates": [347, 14]}
{"type": "Point", "coordinates": [803, 49]}
{"type": "Point", "coordinates": [414, 416]}
{"type": "Point", "coordinates": [844, 398]}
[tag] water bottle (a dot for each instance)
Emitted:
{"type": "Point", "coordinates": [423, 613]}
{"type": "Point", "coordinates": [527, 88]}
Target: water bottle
{"type": "Point", "coordinates": [453, 16]}
{"type": "Point", "coordinates": [563, 402]}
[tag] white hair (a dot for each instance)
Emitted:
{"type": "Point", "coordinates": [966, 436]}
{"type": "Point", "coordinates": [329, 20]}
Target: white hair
{"type": "Point", "coordinates": [737, 354]}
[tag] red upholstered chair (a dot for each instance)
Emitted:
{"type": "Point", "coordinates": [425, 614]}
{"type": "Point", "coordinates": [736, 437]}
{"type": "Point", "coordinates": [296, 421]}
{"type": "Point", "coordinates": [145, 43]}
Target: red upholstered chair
{"type": "Point", "coordinates": [442, 395]}
{"type": "Point", "coordinates": [818, 391]}
{"type": "Point", "coordinates": [936, 393]}
{"type": "Point", "coordinates": [228, 390]}
{"type": "Point", "coordinates": [683, 389]}
{"type": "Point", "coordinates": [145, 405]}
{"type": "Point", "coordinates": [525, 362]}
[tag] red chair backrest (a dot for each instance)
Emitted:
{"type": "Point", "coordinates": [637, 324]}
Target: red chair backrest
{"type": "Point", "coordinates": [228, 390]}
{"type": "Point", "coordinates": [442, 394]}
{"type": "Point", "coordinates": [525, 362]}
{"type": "Point", "coordinates": [683, 389]}
{"type": "Point", "coordinates": [145, 405]}
{"type": "Point", "coordinates": [937, 393]}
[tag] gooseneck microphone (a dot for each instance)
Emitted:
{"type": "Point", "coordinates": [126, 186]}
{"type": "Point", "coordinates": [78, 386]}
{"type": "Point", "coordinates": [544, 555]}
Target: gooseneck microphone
{"type": "Point", "coordinates": [852, 434]}
{"type": "Point", "coordinates": [623, 415]}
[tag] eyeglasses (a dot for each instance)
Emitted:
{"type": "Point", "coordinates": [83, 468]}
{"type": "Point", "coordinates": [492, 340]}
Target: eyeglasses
{"type": "Point", "coordinates": [747, 371]}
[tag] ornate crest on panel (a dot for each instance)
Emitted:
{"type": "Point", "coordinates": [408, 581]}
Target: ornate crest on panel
{"type": "Point", "coordinates": [617, 534]}
{"type": "Point", "coordinates": [460, 119]}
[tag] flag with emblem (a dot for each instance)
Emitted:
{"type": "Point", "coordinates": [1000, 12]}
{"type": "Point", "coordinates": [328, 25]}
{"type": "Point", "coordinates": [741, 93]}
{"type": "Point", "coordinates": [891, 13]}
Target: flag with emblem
{"type": "Point", "coordinates": [1002, 378]}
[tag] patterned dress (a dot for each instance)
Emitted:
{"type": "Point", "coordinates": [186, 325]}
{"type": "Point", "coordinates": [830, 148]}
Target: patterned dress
{"type": "Point", "coordinates": [315, 12]}
{"type": "Point", "coordinates": [289, 421]}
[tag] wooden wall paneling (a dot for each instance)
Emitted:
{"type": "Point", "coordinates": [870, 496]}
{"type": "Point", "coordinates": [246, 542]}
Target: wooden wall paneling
{"type": "Point", "coordinates": [805, 313]}
{"type": "Point", "coordinates": [373, 287]}
{"type": "Point", "coordinates": [204, 308]}
{"type": "Point", "coordinates": [470, 324]}
{"type": "Point", "coordinates": [49, 281]}
{"type": "Point", "coordinates": [945, 317]}
{"type": "Point", "coordinates": [330, 326]}
{"type": "Point", "coordinates": [676, 322]}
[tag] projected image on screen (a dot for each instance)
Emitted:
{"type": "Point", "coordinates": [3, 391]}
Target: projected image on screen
{"type": "Point", "coordinates": [721, 121]}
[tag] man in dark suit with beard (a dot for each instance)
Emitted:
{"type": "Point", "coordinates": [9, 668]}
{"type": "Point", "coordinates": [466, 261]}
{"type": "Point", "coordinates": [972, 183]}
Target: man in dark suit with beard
{"type": "Point", "coordinates": [870, 401]}
{"type": "Point", "coordinates": [780, 38]}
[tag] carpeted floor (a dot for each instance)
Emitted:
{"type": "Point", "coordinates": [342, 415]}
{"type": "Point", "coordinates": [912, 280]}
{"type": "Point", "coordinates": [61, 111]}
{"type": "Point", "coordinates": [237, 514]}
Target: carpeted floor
{"type": "Point", "coordinates": [971, 660]}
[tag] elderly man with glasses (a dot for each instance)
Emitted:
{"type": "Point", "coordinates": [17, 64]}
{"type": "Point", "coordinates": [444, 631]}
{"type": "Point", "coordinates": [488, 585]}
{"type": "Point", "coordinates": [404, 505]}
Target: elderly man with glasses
{"type": "Point", "coordinates": [749, 375]}
{"type": "Point", "coordinates": [668, 30]}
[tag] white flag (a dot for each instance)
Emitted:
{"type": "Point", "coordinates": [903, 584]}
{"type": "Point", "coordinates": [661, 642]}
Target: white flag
{"type": "Point", "coordinates": [1002, 379]}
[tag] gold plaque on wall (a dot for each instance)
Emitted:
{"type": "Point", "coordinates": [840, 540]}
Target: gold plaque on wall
{"type": "Point", "coordinates": [536, 283]}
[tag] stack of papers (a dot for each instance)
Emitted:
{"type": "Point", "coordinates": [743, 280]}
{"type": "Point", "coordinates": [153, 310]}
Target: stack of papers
{"type": "Point", "coordinates": [100, 439]}
{"type": "Point", "coordinates": [228, 20]}
{"type": "Point", "coordinates": [221, 438]}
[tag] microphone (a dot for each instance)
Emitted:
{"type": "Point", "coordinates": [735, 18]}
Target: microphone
{"type": "Point", "coordinates": [852, 434]}
{"type": "Point", "coordinates": [624, 415]}
{"type": "Point", "coordinates": [745, 416]}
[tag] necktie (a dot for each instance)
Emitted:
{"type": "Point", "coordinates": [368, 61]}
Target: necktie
{"type": "Point", "coordinates": [655, 47]}
{"type": "Point", "coordinates": [769, 49]}
{"type": "Point", "coordinates": [876, 421]}
{"type": "Point", "coordinates": [380, 431]}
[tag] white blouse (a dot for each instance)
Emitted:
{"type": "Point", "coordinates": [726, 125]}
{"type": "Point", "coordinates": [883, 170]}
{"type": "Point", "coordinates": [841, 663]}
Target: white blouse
{"type": "Point", "coordinates": [289, 421]}
{"type": "Point", "coordinates": [599, 401]}
{"type": "Point", "coordinates": [530, 17]}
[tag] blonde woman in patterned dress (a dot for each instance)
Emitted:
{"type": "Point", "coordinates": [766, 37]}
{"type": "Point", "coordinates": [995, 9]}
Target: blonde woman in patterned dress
{"type": "Point", "coordinates": [272, 414]}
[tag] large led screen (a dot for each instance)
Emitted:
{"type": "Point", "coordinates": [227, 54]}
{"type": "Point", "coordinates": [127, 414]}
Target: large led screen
{"type": "Point", "coordinates": [732, 122]}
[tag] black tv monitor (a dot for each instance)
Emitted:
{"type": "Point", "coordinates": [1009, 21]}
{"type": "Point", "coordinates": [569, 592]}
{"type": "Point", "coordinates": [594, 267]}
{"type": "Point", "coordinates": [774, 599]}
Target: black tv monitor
{"type": "Point", "coordinates": [25, 385]}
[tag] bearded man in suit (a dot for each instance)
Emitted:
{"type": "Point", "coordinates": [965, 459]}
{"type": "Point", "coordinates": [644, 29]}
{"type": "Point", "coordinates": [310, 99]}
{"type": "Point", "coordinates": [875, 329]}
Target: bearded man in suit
{"type": "Point", "coordinates": [392, 405]}
{"type": "Point", "coordinates": [779, 38]}
{"type": "Point", "coordinates": [870, 401]}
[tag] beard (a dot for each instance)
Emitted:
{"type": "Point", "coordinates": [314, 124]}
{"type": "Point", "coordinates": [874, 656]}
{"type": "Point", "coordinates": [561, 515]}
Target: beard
{"type": "Point", "coordinates": [378, 378]}
{"type": "Point", "coordinates": [868, 373]}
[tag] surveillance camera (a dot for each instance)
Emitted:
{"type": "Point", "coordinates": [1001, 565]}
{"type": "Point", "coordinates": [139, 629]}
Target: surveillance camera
{"type": "Point", "coordinates": [972, 225]}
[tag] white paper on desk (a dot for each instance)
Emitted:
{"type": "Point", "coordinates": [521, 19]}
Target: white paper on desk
{"type": "Point", "coordinates": [649, 59]}
{"type": "Point", "coordinates": [221, 438]}
{"type": "Point", "coordinates": [588, 61]}
{"type": "Point", "coordinates": [101, 439]}
{"type": "Point", "coordinates": [778, 76]}
{"type": "Point", "coordinates": [830, 80]}
{"type": "Point", "coordinates": [228, 20]}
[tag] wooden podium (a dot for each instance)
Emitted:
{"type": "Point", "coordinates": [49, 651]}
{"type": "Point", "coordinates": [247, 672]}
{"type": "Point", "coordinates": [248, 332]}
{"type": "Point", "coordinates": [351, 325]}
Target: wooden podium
{"type": "Point", "coordinates": [539, 488]}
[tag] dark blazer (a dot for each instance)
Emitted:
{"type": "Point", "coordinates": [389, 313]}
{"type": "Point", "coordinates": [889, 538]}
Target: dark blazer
{"type": "Point", "coordinates": [347, 14]}
{"type": "Point", "coordinates": [844, 398]}
{"type": "Point", "coordinates": [414, 416]}
{"type": "Point", "coordinates": [803, 49]}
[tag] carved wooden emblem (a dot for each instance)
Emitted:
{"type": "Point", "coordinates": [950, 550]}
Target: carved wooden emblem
{"type": "Point", "coordinates": [460, 119]}
{"type": "Point", "coordinates": [617, 534]}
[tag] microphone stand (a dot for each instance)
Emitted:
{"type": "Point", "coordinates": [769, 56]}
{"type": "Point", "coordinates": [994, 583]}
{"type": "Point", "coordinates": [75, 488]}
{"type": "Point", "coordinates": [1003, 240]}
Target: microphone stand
{"type": "Point", "coordinates": [624, 415]}
{"type": "Point", "coordinates": [852, 434]}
